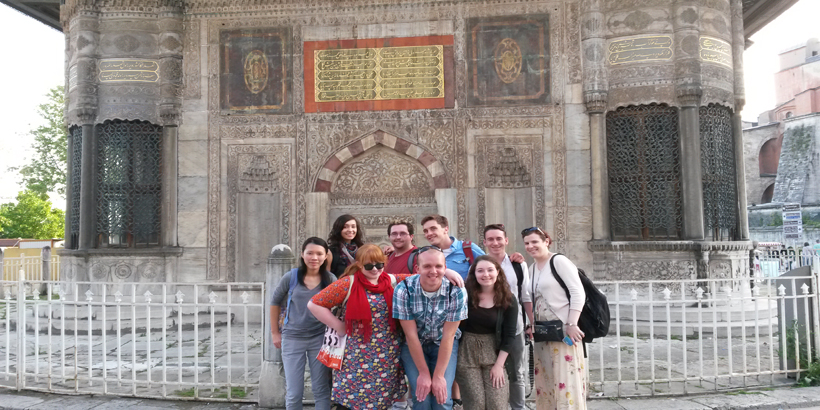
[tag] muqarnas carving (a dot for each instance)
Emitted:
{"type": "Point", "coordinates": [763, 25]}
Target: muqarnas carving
{"type": "Point", "coordinates": [508, 60]}
{"type": "Point", "coordinates": [255, 73]}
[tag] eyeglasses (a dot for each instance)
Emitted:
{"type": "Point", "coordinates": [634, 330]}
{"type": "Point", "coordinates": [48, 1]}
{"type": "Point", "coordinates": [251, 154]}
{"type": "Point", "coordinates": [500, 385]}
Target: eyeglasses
{"type": "Point", "coordinates": [428, 247]}
{"type": "Point", "coordinates": [528, 231]}
{"type": "Point", "coordinates": [370, 266]}
{"type": "Point", "coordinates": [399, 234]}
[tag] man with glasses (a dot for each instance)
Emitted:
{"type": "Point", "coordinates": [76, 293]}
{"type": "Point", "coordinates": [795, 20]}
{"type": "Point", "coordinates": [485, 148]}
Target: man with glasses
{"type": "Point", "coordinates": [430, 309]}
{"type": "Point", "coordinates": [401, 237]}
{"type": "Point", "coordinates": [496, 241]}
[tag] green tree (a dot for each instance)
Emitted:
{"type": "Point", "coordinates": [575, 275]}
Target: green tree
{"type": "Point", "coordinates": [31, 217]}
{"type": "Point", "coordinates": [46, 171]}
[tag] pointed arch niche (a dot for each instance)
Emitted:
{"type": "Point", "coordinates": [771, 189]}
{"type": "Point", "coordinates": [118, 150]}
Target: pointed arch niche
{"type": "Point", "coordinates": [379, 178]}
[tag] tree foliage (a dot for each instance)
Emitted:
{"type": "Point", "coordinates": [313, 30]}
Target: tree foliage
{"type": "Point", "coordinates": [31, 217]}
{"type": "Point", "coordinates": [46, 171]}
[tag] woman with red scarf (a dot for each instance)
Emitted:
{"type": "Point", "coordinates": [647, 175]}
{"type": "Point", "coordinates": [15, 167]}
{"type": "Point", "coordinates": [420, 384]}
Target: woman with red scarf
{"type": "Point", "coordinates": [371, 376]}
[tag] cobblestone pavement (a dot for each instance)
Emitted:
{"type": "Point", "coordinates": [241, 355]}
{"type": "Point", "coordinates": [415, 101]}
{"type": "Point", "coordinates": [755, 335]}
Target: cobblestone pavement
{"type": "Point", "coordinates": [775, 399]}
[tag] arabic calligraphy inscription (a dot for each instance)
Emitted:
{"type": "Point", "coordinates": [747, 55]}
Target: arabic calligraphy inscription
{"type": "Point", "coordinates": [117, 70]}
{"type": "Point", "coordinates": [715, 51]}
{"type": "Point", "coordinates": [386, 73]}
{"type": "Point", "coordinates": [638, 49]}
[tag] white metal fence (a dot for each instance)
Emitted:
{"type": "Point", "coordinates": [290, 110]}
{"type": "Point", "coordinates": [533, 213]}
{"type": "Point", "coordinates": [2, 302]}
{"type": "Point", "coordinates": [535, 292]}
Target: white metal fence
{"type": "Point", "coordinates": [31, 264]}
{"type": "Point", "coordinates": [690, 336]}
{"type": "Point", "coordinates": [190, 341]}
{"type": "Point", "coordinates": [169, 340]}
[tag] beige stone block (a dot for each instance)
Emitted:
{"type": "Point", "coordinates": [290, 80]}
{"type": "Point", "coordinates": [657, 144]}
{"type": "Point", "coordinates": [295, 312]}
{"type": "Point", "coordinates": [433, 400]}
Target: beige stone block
{"type": "Point", "coordinates": [435, 169]}
{"type": "Point", "coordinates": [193, 229]}
{"type": "Point", "coordinates": [389, 140]}
{"type": "Point", "coordinates": [344, 155]}
{"type": "Point", "coordinates": [578, 168]}
{"type": "Point", "coordinates": [326, 174]}
{"type": "Point", "coordinates": [194, 126]}
{"type": "Point", "coordinates": [368, 142]}
{"type": "Point", "coordinates": [580, 195]}
{"type": "Point", "coordinates": [192, 158]}
{"type": "Point", "coordinates": [576, 127]}
{"type": "Point", "coordinates": [574, 93]}
{"type": "Point", "coordinates": [415, 151]}
{"type": "Point", "coordinates": [579, 223]}
{"type": "Point", "coordinates": [192, 194]}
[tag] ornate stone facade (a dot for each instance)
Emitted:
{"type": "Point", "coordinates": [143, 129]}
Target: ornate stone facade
{"type": "Point", "coordinates": [514, 142]}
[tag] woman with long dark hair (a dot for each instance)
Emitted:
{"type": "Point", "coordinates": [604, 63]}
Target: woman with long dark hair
{"type": "Point", "coordinates": [344, 240]}
{"type": "Point", "coordinates": [486, 337]}
{"type": "Point", "coordinates": [301, 335]}
{"type": "Point", "coordinates": [560, 378]}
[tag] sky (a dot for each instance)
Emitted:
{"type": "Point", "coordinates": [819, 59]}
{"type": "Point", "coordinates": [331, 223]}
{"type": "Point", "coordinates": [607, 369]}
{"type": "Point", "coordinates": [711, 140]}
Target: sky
{"type": "Point", "coordinates": [39, 53]}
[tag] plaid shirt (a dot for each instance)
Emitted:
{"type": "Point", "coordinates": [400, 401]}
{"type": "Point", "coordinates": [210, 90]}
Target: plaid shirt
{"type": "Point", "coordinates": [449, 305]}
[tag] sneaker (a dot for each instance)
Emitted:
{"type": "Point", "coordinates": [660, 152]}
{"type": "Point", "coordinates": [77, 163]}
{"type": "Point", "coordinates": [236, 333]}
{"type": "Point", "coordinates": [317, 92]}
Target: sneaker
{"type": "Point", "coordinates": [458, 404]}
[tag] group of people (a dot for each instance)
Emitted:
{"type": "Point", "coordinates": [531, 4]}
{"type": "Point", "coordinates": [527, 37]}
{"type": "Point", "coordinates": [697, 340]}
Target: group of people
{"type": "Point", "coordinates": [446, 320]}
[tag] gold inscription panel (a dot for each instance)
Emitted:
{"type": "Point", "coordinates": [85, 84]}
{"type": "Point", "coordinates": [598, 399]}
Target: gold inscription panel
{"type": "Point", "coordinates": [638, 49]}
{"type": "Point", "coordinates": [128, 70]}
{"type": "Point", "coordinates": [715, 51]}
{"type": "Point", "coordinates": [386, 73]}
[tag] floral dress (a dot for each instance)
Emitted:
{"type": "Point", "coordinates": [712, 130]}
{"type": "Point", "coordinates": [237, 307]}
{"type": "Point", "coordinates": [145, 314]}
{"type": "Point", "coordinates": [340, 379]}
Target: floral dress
{"type": "Point", "coordinates": [560, 374]}
{"type": "Point", "coordinates": [371, 376]}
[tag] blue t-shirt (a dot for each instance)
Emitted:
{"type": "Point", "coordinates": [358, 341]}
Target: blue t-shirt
{"type": "Point", "coordinates": [457, 260]}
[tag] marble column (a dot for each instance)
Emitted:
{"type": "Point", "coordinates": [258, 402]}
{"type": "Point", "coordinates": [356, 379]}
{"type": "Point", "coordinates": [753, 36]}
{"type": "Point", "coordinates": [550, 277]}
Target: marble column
{"type": "Point", "coordinates": [596, 84]}
{"type": "Point", "coordinates": [88, 212]}
{"type": "Point", "coordinates": [689, 91]}
{"type": "Point", "coordinates": [169, 185]}
{"type": "Point", "coordinates": [738, 46]}
{"type": "Point", "coordinates": [170, 62]}
{"type": "Point", "coordinates": [69, 243]}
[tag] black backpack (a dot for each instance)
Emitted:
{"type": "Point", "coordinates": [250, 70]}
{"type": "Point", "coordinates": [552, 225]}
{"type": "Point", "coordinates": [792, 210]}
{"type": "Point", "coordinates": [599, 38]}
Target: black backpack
{"type": "Point", "coordinates": [594, 320]}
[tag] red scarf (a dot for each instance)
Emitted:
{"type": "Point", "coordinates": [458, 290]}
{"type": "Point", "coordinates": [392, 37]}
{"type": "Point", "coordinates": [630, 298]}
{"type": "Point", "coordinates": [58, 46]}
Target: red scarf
{"type": "Point", "coordinates": [358, 308]}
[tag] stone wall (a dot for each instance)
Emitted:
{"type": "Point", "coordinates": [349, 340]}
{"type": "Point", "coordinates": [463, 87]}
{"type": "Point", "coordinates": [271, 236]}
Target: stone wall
{"type": "Point", "coordinates": [514, 134]}
{"type": "Point", "coordinates": [753, 141]}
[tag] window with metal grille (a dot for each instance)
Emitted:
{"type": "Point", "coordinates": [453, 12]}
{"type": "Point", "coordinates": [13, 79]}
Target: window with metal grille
{"type": "Point", "coordinates": [75, 179]}
{"type": "Point", "coordinates": [717, 159]}
{"type": "Point", "coordinates": [643, 157]}
{"type": "Point", "coordinates": [128, 189]}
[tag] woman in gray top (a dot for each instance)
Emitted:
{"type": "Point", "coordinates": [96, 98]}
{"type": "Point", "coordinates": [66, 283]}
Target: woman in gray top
{"type": "Point", "coordinates": [300, 336]}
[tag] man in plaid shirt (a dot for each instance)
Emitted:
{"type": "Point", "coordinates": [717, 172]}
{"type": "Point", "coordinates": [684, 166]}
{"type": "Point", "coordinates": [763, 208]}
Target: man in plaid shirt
{"type": "Point", "coordinates": [430, 309]}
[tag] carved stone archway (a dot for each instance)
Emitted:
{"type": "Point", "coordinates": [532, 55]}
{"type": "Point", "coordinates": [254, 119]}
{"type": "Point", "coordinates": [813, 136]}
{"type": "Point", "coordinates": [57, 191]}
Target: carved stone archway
{"type": "Point", "coordinates": [379, 179]}
{"type": "Point", "coordinates": [329, 170]}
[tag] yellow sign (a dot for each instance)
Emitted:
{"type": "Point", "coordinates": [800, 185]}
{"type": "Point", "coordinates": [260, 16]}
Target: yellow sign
{"type": "Point", "coordinates": [128, 70]}
{"type": "Point", "coordinates": [715, 51]}
{"type": "Point", "coordinates": [386, 73]}
{"type": "Point", "coordinates": [638, 49]}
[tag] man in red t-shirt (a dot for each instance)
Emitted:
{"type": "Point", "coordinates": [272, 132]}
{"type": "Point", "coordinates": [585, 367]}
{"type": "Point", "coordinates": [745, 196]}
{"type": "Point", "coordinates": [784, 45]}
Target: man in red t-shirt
{"type": "Point", "coordinates": [401, 236]}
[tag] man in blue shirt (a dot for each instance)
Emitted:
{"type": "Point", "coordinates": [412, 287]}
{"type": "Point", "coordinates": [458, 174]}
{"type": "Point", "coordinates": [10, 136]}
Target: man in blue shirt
{"type": "Point", "coordinates": [436, 230]}
{"type": "Point", "coordinates": [430, 309]}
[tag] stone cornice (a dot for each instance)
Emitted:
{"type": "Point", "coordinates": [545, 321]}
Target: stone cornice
{"type": "Point", "coordinates": [669, 246]}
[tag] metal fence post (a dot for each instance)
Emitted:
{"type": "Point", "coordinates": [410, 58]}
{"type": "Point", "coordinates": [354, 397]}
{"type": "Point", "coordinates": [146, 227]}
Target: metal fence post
{"type": "Point", "coordinates": [21, 329]}
{"type": "Point", "coordinates": [272, 376]}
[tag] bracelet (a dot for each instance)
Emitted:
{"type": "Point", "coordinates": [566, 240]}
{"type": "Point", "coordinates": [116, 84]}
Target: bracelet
{"type": "Point", "coordinates": [569, 324]}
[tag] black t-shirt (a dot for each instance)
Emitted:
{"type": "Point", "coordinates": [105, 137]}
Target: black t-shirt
{"type": "Point", "coordinates": [480, 320]}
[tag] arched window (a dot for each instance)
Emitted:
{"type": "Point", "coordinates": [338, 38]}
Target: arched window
{"type": "Point", "coordinates": [768, 193]}
{"type": "Point", "coordinates": [128, 183]}
{"type": "Point", "coordinates": [643, 159]}
{"type": "Point", "coordinates": [769, 157]}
